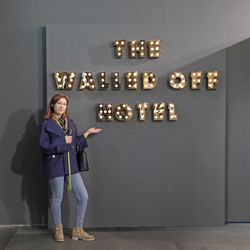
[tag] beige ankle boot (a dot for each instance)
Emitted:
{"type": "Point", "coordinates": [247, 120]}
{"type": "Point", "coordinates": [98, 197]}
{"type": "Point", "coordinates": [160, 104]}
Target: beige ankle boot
{"type": "Point", "coordinates": [59, 233]}
{"type": "Point", "coordinates": [79, 233]}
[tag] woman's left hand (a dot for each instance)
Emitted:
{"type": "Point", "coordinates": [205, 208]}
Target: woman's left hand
{"type": "Point", "coordinates": [93, 131]}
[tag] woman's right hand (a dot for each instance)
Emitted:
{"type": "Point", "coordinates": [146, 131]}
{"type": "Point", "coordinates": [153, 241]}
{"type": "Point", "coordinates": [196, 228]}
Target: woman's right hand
{"type": "Point", "coordinates": [68, 139]}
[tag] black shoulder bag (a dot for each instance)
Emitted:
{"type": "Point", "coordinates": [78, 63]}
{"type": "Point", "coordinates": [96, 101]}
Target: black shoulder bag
{"type": "Point", "coordinates": [82, 160]}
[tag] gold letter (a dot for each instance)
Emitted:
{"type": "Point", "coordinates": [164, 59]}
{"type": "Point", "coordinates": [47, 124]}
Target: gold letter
{"type": "Point", "coordinates": [149, 80]}
{"type": "Point", "coordinates": [115, 81]}
{"type": "Point", "coordinates": [212, 79]}
{"type": "Point", "coordinates": [87, 81]}
{"type": "Point", "coordinates": [118, 47]}
{"type": "Point", "coordinates": [137, 47]}
{"type": "Point", "coordinates": [159, 111]}
{"type": "Point", "coordinates": [177, 80]}
{"type": "Point", "coordinates": [196, 78]}
{"type": "Point", "coordinates": [104, 112]}
{"type": "Point", "coordinates": [102, 81]}
{"type": "Point", "coordinates": [132, 80]}
{"type": "Point", "coordinates": [64, 80]}
{"type": "Point", "coordinates": [154, 48]}
{"type": "Point", "coordinates": [123, 112]}
{"type": "Point", "coordinates": [142, 107]}
{"type": "Point", "coordinates": [172, 116]}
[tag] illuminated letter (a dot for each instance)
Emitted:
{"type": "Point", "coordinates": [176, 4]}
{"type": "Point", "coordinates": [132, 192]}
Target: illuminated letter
{"type": "Point", "coordinates": [142, 107]}
{"type": "Point", "coordinates": [212, 79]}
{"type": "Point", "coordinates": [115, 81]}
{"type": "Point", "coordinates": [123, 112]}
{"type": "Point", "coordinates": [104, 112]}
{"type": "Point", "coordinates": [172, 116]}
{"type": "Point", "coordinates": [149, 80]}
{"type": "Point", "coordinates": [132, 80]}
{"type": "Point", "coordinates": [158, 111]}
{"type": "Point", "coordinates": [118, 47]}
{"type": "Point", "coordinates": [154, 50]}
{"type": "Point", "coordinates": [137, 47]}
{"type": "Point", "coordinates": [87, 81]}
{"type": "Point", "coordinates": [196, 78]}
{"type": "Point", "coordinates": [102, 81]}
{"type": "Point", "coordinates": [177, 80]}
{"type": "Point", "coordinates": [64, 80]}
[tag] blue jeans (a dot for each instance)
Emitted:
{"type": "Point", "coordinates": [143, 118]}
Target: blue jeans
{"type": "Point", "coordinates": [80, 192]}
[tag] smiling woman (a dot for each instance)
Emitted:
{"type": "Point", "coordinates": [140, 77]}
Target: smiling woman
{"type": "Point", "coordinates": [58, 140]}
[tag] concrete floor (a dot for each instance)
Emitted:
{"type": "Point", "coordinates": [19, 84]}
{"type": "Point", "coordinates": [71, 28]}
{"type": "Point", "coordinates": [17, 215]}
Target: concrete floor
{"type": "Point", "coordinates": [230, 237]}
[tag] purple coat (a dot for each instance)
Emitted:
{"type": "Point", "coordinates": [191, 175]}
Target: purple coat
{"type": "Point", "coordinates": [55, 149]}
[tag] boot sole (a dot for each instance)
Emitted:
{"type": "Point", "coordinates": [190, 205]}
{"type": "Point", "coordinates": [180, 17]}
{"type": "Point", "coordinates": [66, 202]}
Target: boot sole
{"type": "Point", "coordinates": [79, 238]}
{"type": "Point", "coordinates": [59, 240]}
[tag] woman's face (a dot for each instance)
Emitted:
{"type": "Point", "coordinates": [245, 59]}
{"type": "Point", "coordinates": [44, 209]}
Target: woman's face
{"type": "Point", "coordinates": [60, 106]}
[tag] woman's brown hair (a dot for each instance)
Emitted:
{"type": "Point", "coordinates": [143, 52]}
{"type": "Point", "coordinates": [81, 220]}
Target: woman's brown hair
{"type": "Point", "coordinates": [53, 101]}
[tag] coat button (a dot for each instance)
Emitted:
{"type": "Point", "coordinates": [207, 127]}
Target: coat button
{"type": "Point", "coordinates": [53, 156]}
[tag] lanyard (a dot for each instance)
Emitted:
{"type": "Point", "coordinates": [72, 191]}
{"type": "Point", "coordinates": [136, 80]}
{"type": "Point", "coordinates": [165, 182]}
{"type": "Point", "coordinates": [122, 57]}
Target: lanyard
{"type": "Point", "coordinates": [65, 129]}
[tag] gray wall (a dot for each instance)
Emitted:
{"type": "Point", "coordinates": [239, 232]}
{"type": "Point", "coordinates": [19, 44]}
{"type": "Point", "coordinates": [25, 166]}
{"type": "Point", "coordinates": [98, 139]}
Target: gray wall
{"type": "Point", "coordinates": [145, 169]}
{"type": "Point", "coordinates": [238, 141]}
{"type": "Point", "coordinates": [206, 27]}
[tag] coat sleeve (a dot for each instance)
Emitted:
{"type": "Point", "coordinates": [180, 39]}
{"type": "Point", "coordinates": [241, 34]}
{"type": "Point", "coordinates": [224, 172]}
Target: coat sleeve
{"type": "Point", "coordinates": [56, 146]}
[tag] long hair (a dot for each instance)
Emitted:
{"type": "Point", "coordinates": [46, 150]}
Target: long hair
{"type": "Point", "coordinates": [53, 101]}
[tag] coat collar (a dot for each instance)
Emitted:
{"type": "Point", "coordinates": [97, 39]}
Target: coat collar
{"type": "Point", "coordinates": [53, 127]}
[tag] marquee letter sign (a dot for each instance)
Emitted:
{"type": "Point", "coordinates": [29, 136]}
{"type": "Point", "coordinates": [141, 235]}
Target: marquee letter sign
{"type": "Point", "coordinates": [123, 112]}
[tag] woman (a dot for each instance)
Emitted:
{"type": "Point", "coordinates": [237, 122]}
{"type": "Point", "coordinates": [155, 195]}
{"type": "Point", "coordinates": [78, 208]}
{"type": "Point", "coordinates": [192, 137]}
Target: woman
{"type": "Point", "coordinates": [58, 140]}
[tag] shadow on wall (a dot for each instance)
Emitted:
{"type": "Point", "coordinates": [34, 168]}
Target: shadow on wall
{"type": "Point", "coordinates": [25, 198]}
